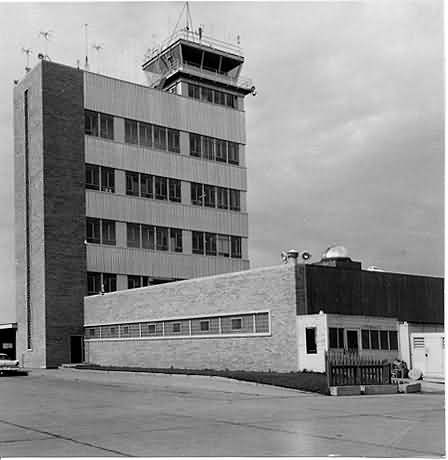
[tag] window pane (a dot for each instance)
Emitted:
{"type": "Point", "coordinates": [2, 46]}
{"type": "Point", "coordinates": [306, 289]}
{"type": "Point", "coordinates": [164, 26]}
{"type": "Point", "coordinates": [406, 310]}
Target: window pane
{"type": "Point", "coordinates": [173, 140]}
{"type": "Point", "coordinates": [196, 194]}
{"type": "Point", "coordinates": [175, 239]}
{"type": "Point", "coordinates": [162, 238]}
{"type": "Point", "coordinates": [237, 324]}
{"type": "Point", "coordinates": [233, 153]}
{"type": "Point", "coordinates": [333, 336]}
{"type": "Point", "coordinates": [206, 94]}
{"type": "Point", "coordinates": [161, 188]}
{"type": "Point", "coordinates": [107, 179]}
{"type": "Point", "coordinates": [222, 195]}
{"type": "Point", "coordinates": [175, 190]}
{"type": "Point", "coordinates": [92, 177]}
{"type": "Point", "coordinates": [204, 325]}
{"type": "Point", "coordinates": [93, 230]}
{"type": "Point", "coordinates": [374, 340]}
{"type": "Point", "coordinates": [195, 145]}
{"type": "Point", "coordinates": [236, 246]}
{"type": "Point", "coordinates": [160, 137]}
{"type": "Point", "coordinates": [220, 98]}
{"type": "Point", "coordinates": [393, 340]}
{"type": "Point", "coordinates": [365, 339]}
{"type": "Point", "coordinates": [208, 148]}
{"type": "Point", "coordinates": [209, 196]}
{"type": "Point", "coordinates": [221, 150]}
{"type": "Point", "coordinates": [198, 242]}
{"type": "Point", "coordinates": [91, 123]}
{"type": "Point", "coordinates": [341, 337]}
{"type": "Point", "coordinates": [108, 232]}
{"type": "Point", "coordinates": [130, 132]}
{"type": "Point", "coordinates": [109, 282]}
{"type": "Point", "coordinates": [133, 235]}
{"type": "Point", "coordinates": [133, 282]}
{"type": "Point", "coordinates": [223, 245]}
{"type": "Point", "coordinates": [93, 283]}
{"type": "Point", "coordinates": [146, 186]}
{"type": "Point", "coordinates": [193, 91]}
{"type": "Point", "coordinates": [145, 134]}
{"type": "Point", "coordinates": [231, 100]}
{"type": "Point", "coordinates": [210, 244]}
{"type": "Point", "coordinates": [384, 340]}
{"type": "Point", "coordinates": [107, 126]}
{"type": "Point", "coordinates": [235, 200]}
{"type": "Point", "coordinates": [131, 184]}
{"type": "Point", "coordinates": [311, 347]}
{"type": "Point", "coordinates": [148, 240]}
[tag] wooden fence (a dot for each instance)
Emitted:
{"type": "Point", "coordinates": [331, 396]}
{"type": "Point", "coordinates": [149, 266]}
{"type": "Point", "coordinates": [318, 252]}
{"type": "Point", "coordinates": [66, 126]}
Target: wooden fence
{"type": "Point", "coordinates": [351, 369]}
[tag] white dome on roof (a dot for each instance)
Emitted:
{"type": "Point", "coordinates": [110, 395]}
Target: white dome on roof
{"type": "Point", "coordinates": [335, 252]}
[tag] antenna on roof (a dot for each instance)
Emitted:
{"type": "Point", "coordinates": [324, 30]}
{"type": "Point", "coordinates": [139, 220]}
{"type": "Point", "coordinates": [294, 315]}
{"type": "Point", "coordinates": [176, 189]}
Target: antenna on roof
{"type": "Point", "coordinates": [27, 51]}
{"type": "Point", "coordinates": [98, 47]}
{"type": "Point", "coordinates": [46, 34]}
{"type": "Point", "coordinates": [86, 43]}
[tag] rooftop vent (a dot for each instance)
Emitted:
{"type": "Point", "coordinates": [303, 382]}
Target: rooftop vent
{"type": "Point", "coordinates": [337, 256]}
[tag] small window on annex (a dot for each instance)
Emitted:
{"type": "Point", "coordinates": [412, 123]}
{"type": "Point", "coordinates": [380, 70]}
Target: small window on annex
{"type": "Point", "coordinates": [336, 337]}
{"type": "Point", "coordinates": [310, 336]}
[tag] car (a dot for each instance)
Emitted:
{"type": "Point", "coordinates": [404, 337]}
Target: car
{"type": "Point", "coordinates": [5, 361]}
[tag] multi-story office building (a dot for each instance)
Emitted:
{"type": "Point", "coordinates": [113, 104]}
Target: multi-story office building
{"type": "Point", "coordinates": [120, 185]}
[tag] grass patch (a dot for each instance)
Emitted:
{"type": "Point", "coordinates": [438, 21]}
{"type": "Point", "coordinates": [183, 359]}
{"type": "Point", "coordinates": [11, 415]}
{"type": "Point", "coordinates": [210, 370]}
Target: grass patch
{"type": "Point", "coordinates": [306, 381]}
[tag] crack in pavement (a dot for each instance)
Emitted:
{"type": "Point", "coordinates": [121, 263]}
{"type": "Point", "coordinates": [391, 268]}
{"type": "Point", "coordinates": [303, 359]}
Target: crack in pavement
{"type": "Point", "coordinates": [65, 438]}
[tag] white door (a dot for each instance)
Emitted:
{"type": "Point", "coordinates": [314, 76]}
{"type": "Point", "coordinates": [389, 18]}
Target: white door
{"type": "Point", "coordinates": [427, 352]}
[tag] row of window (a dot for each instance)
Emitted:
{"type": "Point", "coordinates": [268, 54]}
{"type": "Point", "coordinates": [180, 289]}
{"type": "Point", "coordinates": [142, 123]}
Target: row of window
{"type": "Point", "coordinates": [163, 188]}
{"type": "Point", "coordinates": [212, 197]}
{"type": "Point", "coordinates": [252, 323]}
{"type": "Point", "coordinates": [211, 244]}
{"type": "Point", "coordinates": [148, 135]}
{"type": "Point", "coordinates": [372, 339]}
{"type": "Point", "coordinates": [102, 231]}
{"type": "Point", "coordinates": [161, 138]}
{"type": "Point", "coordinates": [156, 187]}
{"type": "Point", "coordinates": [152, 237]}
{"type": "Point", "coordinates": [210, 148]}
{"type": "Point", "coordinates": [98, 283]}
{"type": "Point", "coordinates": [212, 95]}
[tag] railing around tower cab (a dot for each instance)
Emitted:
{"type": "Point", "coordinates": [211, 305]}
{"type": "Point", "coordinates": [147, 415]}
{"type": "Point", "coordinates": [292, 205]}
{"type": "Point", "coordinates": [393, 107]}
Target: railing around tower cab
{"type": "Point", "coordinates": [348, 368]}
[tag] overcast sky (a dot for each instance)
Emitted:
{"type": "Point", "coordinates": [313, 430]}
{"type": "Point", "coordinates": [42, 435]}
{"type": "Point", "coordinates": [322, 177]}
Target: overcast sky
{"type": "Point", "coordinates": [345, 135]}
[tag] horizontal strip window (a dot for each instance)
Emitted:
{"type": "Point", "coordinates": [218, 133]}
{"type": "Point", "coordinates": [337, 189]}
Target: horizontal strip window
{"type": "Point", "coordinates": [373, 339]}
{"type": "Point", "coordinates": [100, 231]}
{"type": "Point", "coordinates": [98, 124]}
{"type": "Point", "coordinates": [154, 187]}
{"type": "Point", "coordinates": [155, 238]}
{"type": "Point", "coordinates": [100, 178]}
{"type": "Point", "coordinates": [153, 136]}
{"type": "Point", "coordinates": [212, 96]}
{"type": "Point", "coordinates": [214, 326]}
{"type": "Point", "coordinates": [210, 244]}
{"type": "Point", "coordinates": [99, 283]}
{"type": "Point", "coordinates": [215, 197]}
{"type": "Point", "coordinates": [214, 149]}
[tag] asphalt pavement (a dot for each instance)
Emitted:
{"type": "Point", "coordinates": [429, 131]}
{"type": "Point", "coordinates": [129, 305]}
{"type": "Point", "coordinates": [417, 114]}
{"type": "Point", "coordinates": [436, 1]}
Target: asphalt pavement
{"type": "Point", "coordinates": [76, 413]}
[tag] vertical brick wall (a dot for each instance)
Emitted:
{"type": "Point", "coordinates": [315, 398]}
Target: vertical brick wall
{"type": "Point", "coordinates": [64, 179]}
{"type": "Point", "coordinates": [33, 83]}
{"type": "Point", "coordinates": [270, 288]}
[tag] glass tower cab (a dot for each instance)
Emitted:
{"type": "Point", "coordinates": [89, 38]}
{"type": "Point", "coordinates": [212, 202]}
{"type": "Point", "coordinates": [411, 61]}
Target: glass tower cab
{"type": "Point", "coordinates": [193, 65]}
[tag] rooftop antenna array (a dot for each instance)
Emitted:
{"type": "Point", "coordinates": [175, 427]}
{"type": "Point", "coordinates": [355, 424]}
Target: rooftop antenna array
{"type": "Point", "coordinates": [98, 47]}
{"type": "Point", "coordinates": [27, 51]}
{"type": "Point", "coordinates": [45, 34]}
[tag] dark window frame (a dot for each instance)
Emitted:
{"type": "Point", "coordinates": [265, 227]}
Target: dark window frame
{"type": "Point", "coordinates": [311, 340]}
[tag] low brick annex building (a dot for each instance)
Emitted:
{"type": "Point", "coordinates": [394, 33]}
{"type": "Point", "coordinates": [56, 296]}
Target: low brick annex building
{"type": "Point", "coordinates": [281, 318]}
